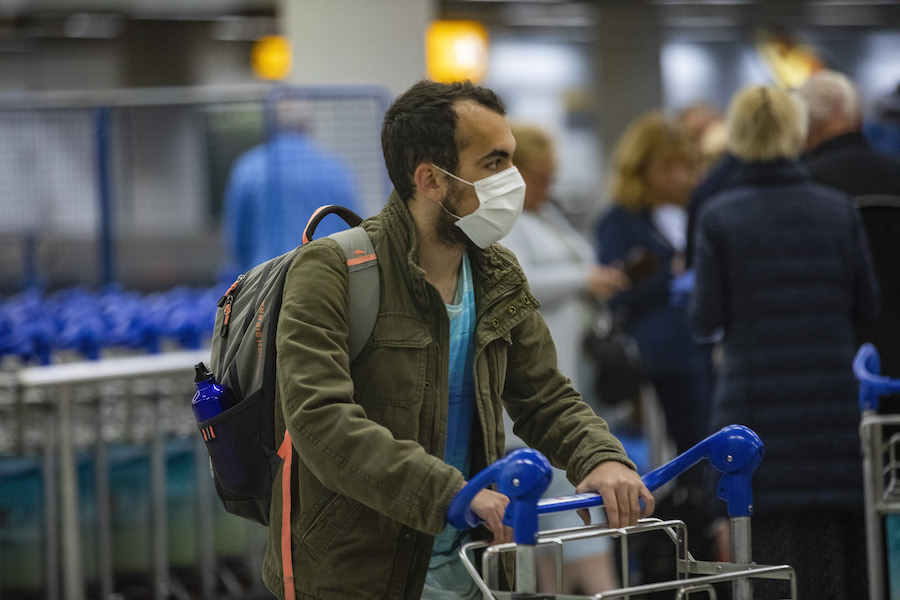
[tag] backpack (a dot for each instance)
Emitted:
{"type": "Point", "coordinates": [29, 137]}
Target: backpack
{"type": "Point", "coordinates": [241, 441]}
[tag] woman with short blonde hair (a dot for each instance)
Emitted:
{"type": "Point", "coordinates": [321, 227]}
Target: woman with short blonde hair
{"type": "Point", "coordinates": [535, 156]}
{"type": "Point", "coordinates": [532, 142]}
{"type": "Point", "coordinates": [766, 123]}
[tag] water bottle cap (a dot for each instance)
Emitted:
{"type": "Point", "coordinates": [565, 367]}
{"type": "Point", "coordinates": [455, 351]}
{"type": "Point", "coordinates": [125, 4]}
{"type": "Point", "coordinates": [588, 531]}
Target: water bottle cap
{"type": "Point", "coordinates": [201, 373]}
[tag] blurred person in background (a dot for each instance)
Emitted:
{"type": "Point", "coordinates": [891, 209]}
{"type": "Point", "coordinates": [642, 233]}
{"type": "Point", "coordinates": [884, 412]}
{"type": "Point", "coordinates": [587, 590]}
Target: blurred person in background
{"type": "Point", "coordinates": [274, 188]}
{"type": "Point", "coordinates": [563, 273]}
{"type": "Point", "coordinates": [838, 155]}
{"type": "Point", "coordinates": [717, 170]}
{"type": "Point", "coordinates": [653, 171]}
{"type": "Point", "coordinates": [645, 231]}
{"type": "Point", "coordinates": [782, 277]}
{"type": "Point", "coordinates": [697, 120]}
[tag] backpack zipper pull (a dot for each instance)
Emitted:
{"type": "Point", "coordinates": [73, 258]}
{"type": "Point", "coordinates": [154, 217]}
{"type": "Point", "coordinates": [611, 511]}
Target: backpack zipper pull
{"type": "Point", "coordinates": [226, 301]}
{"type": "Point", "coordinates": [229, 293]}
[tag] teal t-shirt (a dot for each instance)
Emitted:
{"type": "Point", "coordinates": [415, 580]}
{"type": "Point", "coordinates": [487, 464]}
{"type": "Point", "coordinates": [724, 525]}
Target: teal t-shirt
{"type": "Point", "coordinates": [461, 389]}
{"type": "Point", "coordinates": [461, 408]}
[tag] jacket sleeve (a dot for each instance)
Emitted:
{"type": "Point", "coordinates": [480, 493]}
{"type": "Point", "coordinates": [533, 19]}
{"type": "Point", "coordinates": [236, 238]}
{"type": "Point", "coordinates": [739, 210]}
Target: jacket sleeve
{"type": "Point", "coordinates": [866, 298]}
{"type": "Point", "coordinates": [709, 297]}
{"type": "Point", "coordinates": [349, 453]}
{"type": "Point", "coordinates": [549, 414]}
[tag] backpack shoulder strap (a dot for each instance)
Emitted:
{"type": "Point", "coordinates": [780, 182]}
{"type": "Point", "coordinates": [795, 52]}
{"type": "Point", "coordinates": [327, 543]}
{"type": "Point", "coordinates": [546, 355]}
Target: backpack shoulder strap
{"type": "Point", "coordinates": [365, 297]}
{"type": "Point", "coordinates": [365, 287]}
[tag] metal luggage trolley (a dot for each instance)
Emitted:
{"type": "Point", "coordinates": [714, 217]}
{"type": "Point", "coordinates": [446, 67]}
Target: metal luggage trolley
{"type": "Point", "coordinates": [881, 463]}
{"type": "Point", "coordinates": [524, 475]}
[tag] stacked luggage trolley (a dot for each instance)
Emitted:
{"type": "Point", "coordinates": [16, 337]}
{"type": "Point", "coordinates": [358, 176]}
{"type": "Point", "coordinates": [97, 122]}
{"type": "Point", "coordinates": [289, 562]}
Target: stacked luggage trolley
{"type": "Point", "coordinates": [524, 475]}
{"type": "Point", "coordinates": [880, 438]}
{"type": "Point", "coordinates": [105, 489]}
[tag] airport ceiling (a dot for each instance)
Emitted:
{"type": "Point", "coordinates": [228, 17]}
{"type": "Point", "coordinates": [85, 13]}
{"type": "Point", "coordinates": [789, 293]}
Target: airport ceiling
{"type": "Point", "coordinates": [566, 17]}
{"type": "Point", "coordinates": [682, 14]}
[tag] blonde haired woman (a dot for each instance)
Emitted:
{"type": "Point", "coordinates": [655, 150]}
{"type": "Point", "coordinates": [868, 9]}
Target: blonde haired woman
{"type": "Point", "coordinates": [782, 276]}
{"type": "Point", "coordinates": [645, 231]}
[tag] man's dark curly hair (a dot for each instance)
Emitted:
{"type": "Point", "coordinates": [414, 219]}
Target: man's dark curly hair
{"type": "Point", "coordinates": [420, 126]}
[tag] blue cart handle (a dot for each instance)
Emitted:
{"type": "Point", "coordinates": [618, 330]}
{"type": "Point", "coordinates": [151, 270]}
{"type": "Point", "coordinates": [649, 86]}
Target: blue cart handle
{"type": "Point", "coordinates": [524, 475]}
{"type": "Point", "coordinates": [872, 385]}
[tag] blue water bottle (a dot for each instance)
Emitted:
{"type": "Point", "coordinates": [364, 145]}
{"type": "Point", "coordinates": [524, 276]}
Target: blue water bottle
{"type": "Point", "coordinates": [211, 398]}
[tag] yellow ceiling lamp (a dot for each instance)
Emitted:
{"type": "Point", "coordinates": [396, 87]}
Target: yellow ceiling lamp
{"type": "Point", "coordinates": [271, 58]}
{"type": "Point", "coordinates": [456, 51]}
{"type": "Point", "coordinates": [792, 62]}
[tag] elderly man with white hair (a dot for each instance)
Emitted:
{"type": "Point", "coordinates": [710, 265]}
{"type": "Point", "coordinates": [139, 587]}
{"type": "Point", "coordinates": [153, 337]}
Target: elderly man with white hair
{"type": "Point", "coordinates": [839, 156]}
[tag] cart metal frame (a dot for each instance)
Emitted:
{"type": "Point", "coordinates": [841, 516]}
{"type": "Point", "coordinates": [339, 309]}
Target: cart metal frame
{"type": "Point", "coordinates": [523, 476]}
{"type": "Point", "coordinates": [881, 461]}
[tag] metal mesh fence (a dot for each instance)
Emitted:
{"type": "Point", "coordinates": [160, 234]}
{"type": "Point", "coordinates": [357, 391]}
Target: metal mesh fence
{"type": "Point", "coordinates": [129, 188]}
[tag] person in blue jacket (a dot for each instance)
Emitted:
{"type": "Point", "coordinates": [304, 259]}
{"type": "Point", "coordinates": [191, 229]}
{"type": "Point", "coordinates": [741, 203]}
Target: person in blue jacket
{"type": "Point", "coordinates": [645, 232]}
{"type": "Point", "coordinates": [275, 187]}
{"type": "Point", "coordinates": [783, 275]}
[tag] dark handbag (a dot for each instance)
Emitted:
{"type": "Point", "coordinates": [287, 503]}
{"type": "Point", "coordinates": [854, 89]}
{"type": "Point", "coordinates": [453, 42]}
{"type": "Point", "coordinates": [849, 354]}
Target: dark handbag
{"type": "Point", "coordinates": [618, 370]}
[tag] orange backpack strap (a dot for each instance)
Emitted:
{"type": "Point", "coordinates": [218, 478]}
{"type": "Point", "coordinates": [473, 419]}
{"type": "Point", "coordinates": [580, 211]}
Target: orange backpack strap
{"type": "Point", "coordinates": [365, 293]}
{"type": "Point", "coordinates": [286, 452]}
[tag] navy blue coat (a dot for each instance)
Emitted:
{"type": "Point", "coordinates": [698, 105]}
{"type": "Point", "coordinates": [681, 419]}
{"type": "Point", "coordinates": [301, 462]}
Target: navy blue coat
{"type": "Point", "coordinates": [676, 364]}
{"type": "Point", "coordinates": [783, 274]}
{"type": "Point", "coordinates": [659, 326]}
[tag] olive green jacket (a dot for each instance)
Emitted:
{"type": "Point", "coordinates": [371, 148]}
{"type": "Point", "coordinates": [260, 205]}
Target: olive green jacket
{"type": "Point", "coordinates": [371, 490]}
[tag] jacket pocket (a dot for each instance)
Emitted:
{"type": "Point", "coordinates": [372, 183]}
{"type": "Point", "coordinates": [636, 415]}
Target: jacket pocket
{"type": "Point", "coordinates": [329, 519]}
{"type": "Point", "coordinates": [391, 369]}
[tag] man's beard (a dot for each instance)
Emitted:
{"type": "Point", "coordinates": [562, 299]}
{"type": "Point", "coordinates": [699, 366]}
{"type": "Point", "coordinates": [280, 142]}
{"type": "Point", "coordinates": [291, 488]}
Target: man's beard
{"type": "Point", "coordinates": [446, 232]}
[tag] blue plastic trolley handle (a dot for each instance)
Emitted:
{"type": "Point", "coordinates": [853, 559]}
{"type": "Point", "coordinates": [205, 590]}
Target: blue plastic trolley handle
{"type": "Point", "coordinates": [872, 385]}
{"type": "Point", "coordinates": [524, 475]}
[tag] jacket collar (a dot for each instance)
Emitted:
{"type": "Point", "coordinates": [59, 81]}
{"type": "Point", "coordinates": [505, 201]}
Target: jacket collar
{"type": "Point", "coordinates": [495, 273]}
{"type": "Point", "coordinates": [401, 231]}
{"type": "Point", "coordinates": [774, 172]}
{"type": "Point", "coordinates": [845, 140]}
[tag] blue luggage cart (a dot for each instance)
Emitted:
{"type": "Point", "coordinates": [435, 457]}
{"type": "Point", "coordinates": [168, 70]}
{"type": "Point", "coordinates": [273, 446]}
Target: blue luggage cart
{"type": "Point", "coordinates": [881, 473]}
{"type": "Point", "coordinates": [524, 474]}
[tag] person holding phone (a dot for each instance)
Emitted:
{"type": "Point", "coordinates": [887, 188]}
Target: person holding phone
{"type": "Point", "coordinates": [645, 231]}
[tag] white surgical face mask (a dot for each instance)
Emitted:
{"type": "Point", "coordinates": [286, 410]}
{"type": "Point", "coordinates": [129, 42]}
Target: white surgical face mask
{"type": "Point", "coordinates": [501, 197]}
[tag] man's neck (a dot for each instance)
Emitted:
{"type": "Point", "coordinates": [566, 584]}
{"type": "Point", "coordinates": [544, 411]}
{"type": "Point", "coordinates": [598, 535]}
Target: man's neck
{"type": "Point", "coordinates": [440, 261]}
{"type": "Point", "coordinates": [441, 264]}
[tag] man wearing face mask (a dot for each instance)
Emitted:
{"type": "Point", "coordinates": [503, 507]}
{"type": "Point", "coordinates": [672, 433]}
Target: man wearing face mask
{"type": "Point", "coordinates": [383, 444]}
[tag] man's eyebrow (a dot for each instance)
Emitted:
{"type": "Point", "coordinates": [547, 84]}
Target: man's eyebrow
{"type": "Point", "coordinates": [498, 153]}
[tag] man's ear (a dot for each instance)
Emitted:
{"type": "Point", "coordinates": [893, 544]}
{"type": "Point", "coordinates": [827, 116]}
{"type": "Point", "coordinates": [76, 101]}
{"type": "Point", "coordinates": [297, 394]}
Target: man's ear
{"type": "Point", "coordinates": [427, 183]}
